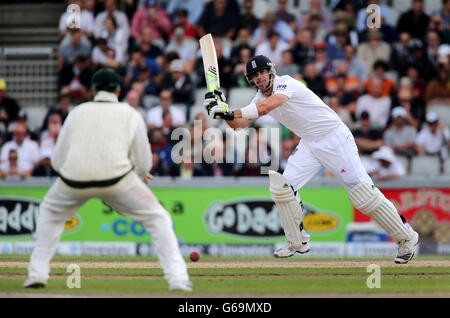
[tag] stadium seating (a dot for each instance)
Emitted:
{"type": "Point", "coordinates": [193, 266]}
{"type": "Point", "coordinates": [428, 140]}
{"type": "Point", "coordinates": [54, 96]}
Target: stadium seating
{"type": "Point", "coordinates": [425, 166]}
{"type": "Point", "coordinates": [35, 115]}
{"type": "Point", "coordinates": [240, 96]}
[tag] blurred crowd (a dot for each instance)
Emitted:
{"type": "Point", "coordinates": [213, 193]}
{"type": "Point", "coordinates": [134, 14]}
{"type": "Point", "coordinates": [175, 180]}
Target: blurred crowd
{"type": "Point", "coordinates": [380, 81]}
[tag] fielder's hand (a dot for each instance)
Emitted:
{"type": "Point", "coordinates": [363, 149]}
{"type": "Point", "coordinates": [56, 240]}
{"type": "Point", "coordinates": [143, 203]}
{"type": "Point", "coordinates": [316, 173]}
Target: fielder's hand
{"type": "Point", "coordinates": [148, 177]}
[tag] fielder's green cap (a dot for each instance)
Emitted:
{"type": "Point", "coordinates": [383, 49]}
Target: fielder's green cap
{"type": "Point", "coordinates": [106, 80]}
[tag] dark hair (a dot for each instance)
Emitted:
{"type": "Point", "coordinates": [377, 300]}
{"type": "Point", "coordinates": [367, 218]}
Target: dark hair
{"type": "Point", "coordinates": [113, 20]}
{"type": "Point", "coordinates": [382, 64]}
{"type": "Point", "coordinates": [272, 33]}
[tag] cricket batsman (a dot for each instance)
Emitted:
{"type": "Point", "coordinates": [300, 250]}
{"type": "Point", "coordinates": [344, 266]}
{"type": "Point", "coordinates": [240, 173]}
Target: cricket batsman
{"type": "Point", "coordinates": [325, 141]}
{"type": "Point", "coordinates": [103, 152]}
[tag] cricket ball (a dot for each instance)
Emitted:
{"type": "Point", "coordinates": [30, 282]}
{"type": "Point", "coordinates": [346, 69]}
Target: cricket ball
{"type": "Point", "coordinates": [194, 256]}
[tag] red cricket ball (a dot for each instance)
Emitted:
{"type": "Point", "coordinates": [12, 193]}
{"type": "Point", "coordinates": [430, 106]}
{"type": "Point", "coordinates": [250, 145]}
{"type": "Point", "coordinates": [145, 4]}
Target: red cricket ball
{"type": "Point", "coordinates": [194, 256]}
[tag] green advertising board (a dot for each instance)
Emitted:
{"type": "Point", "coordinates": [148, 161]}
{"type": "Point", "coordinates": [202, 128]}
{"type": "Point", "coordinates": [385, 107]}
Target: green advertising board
{"type": "Point", "coordinates": [200, 216]}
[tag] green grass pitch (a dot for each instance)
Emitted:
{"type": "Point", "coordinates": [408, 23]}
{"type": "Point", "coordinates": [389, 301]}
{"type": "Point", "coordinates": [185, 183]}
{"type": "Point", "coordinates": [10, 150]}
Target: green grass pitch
{"type": "Point", "coordinates": [234, 277]}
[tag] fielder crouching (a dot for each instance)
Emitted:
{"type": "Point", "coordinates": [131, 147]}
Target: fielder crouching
{"type": "Point", "coordinates": [325, 141]}
{"type": "Point", "coordinates": [103, 152]}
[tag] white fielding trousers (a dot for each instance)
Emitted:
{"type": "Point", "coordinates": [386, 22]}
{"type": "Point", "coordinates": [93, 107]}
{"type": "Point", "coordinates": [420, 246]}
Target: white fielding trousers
{"type": "Point", "coordinates": [130, 197]}
{"type": "Point", "coordinates": [337, 152]}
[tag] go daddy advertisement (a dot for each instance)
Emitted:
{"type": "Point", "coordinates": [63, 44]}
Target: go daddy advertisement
{"type": "Point", "coordinates": [200, 216]}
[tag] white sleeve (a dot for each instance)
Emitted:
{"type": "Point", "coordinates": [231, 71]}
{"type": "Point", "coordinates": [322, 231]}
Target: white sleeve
{"type": "Point", "coordinates": [288, 87]}
{"type": "Point", "coordinates": [62, 144]}
{"type": "Point", "coordinates": [141, 154]}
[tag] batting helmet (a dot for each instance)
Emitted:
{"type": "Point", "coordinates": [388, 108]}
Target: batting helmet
{"type": "Point", "coordinates": [256, 64]}
{"type": "Point", "coordinates": [106, 80]}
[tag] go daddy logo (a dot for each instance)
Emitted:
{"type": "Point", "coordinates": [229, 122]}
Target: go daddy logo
{"type": "Point", "coordinates": [259, 218]}
{"type": "Point", "coordinates": [19, 216]}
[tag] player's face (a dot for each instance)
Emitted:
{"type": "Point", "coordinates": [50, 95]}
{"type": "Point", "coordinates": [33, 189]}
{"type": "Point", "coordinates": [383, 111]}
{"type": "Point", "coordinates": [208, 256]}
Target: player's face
{"type": "Point", "coordinates": [261, 79]}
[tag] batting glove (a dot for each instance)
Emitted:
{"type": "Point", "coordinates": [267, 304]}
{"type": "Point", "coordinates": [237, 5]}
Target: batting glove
{"type": "Point", "coordinates": [220, 110]}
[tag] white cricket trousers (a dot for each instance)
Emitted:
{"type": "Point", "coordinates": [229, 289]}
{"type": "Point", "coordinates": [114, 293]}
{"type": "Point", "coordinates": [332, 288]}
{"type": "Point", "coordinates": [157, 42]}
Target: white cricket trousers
{"type": "Point", "coordinates": [130, 197]}
{"type": "Point", "coordinates": [336, 151]}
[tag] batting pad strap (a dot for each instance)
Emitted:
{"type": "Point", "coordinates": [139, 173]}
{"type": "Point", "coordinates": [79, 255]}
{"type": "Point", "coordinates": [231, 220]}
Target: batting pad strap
{"type": "Point", "coordinates": [250, 111]}
{"type": "Point", "coordinates": [288, 208]}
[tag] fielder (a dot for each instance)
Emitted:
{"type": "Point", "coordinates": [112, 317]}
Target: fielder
{"type": "Point", "coordinates": [325, 141]}
{"type": "Point", "coordinates": [103, 152]}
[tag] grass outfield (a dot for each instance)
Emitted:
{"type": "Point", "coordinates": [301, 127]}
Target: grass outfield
{"type": "Point", "coordinates": [234, 277]}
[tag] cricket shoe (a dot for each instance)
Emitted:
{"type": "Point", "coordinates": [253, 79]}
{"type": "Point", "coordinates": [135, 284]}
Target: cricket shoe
{"type": "Point", "coordinates": [35, 282]}
{"type": "Point", "coordinates": [184, 285]}
{"type": "Point", "coordinates": [407, 248]}
{"type": "Point", "coordinates": [290, 249]}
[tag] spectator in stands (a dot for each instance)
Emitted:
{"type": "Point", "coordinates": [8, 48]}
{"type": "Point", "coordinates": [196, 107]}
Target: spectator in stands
{"type": "Point", "coordinates": [163, 150]}
{"type": "Point", "coordinates": [239, 71]}
{"type": "Point", "coordinates": [437, 25]}
{"type": "Point", "coordinates": [220, 18]}
{"type": "Point", "coordinates": [270, 23]}
{"type": "Point", "coordinates": [401, 54]}
{"type": "Point", "coordinates": [438, 90]}
{"type": "Point", "coordinates": [445, 13]}
{"type": "Point", "coordinates": [356, 69]}
{"type": "Point", "coordinates": [180, 84]}
{"type": "Point", "coordinates": [432, 48]}
{"type": "Point", "coordinates": [167, 127]}
{"type": "Point", "coordinates": [343, 87]}
{"type": "Point", "coordinates": [283, 14]}
{"type": "Point", "coordinates": [119, 16]}
{"type": "Point", "coordinates": [400, 136]}
{"type": "Point", "coordinates": [70, 51]}
{"type": "Point", "coordinates": [303, 47]}
{"type": "Point", "coordinates": [313, 80]}
{"type": "Point", "coordinates": [247, 19]}
{"type": "Point", "coordinates": [99, 54]}
{"type": "Point", "coordinates": [414, 21]}
{"type": "Point", "coordinates": [27, 149]}
{"type": "Point", "coordinates": [153, 17]}
{"type": "Point", "coordinates": [117, 39]}
{"type": "Point", "coordinates": [22, 118]}
{"type": "Point", "coordinates": [373, 50]}
{"type": "Point", "coordinates": [287, 66]}
{"type": "Point", "coordinates": [414, 107]}
{"type": "Point", "coordinates": [147, 45]}
{"type": "Point", "coordinates": [181, 20]}
{"type": "Point", "coordinates": [379, 71]}
{"type": "Point", "coordinates": [417, 82]}
{"type": "Point", "coordinates": [133, 99]}
{"type": "Point", "coordinates": [321, 62]}
{"type": "Point", "coordinates": [50, 135]}
{"type": "Point", "coordinates": [420, 60]}
{"type": "Point", "coordinates": [337, 42]}
{"type": "Point", "coordinates": [375, 103]}
{"type": "Point", "coordinates": [326, 17]}
{"type": "Point", "coordinates": [243, 41]}
{"type": "Point", "coordinates": [144, 75]}
{"type": "Point", "coordinates": [342, 111]}
{"type": "Point", "coordinates": [9, 108]}
{"type": "Point", "coordinates": [154, 115]}
{"type": "Point", "coordinates": [44, 168]}
{"type": "Point", "coordinates": [157, 168]}
{"type": "Point", "coordinates": [63, 107]}
{"type": "Point", "coordinates": [272, 48]}
{"type": "Point", "coordinates": [434, 139]}
{"type": "Point", "coordinates": [193, 9]}
{"type": "Point", "coordinates": [318, 32]}
{"type": "Point", "coordinates": [367, 138]}
{"type": "Point", "coordinates": [287, 147]}
{"type": "Point", "coordinates": [185, 47]}
{"type": "Point", "coordinates": [14, 169]}
{"type": "Point", "coordinates": [87, 21]}
{"type": "Point", "coordinates": [78, 77]}
{"type": "Point", "coordinates": [387, 166]}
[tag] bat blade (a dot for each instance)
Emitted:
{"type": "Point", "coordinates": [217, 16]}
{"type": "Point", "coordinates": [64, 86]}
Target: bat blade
{"type": "Point", "coordinates": [210, 64]}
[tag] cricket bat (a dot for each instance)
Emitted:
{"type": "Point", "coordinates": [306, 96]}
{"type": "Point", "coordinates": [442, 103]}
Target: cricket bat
{"type": "Point", "coordinates": [210, 65]}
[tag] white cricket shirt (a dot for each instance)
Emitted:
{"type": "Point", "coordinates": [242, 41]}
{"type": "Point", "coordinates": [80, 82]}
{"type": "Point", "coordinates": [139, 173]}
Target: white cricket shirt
{"type": "Point", "coordinates": [304, 113]}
